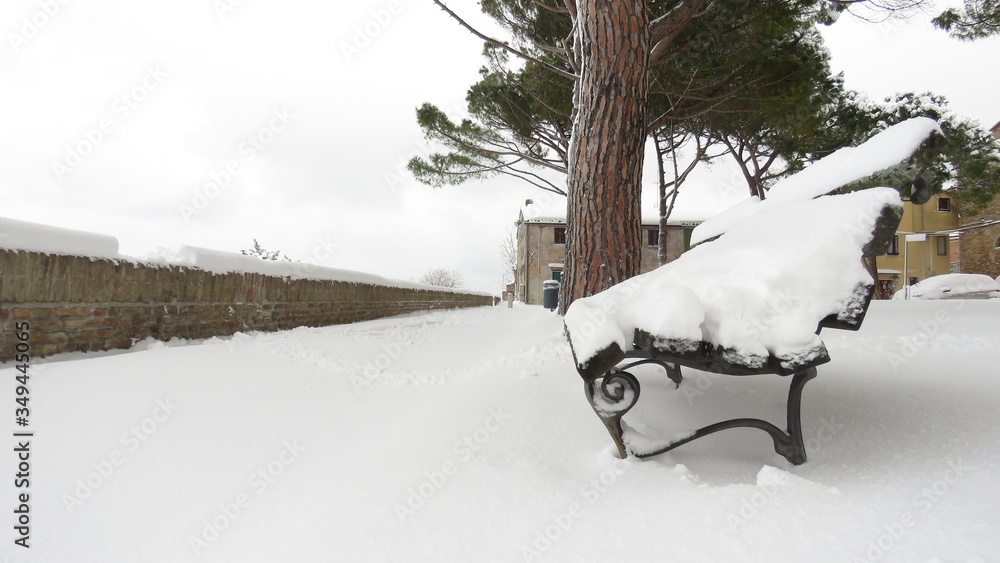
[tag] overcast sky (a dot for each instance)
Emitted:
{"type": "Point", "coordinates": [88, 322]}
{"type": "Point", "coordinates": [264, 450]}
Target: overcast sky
{"type": "Point", "coordinates": [213, 122]}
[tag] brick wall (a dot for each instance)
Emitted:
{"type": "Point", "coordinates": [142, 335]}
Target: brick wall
{"type": "Point", "coordinates": [82, 304]}
{"type": "Point", "coordinates": [978, 241]}
{"type": "Point", "coordinates": [980, 254]}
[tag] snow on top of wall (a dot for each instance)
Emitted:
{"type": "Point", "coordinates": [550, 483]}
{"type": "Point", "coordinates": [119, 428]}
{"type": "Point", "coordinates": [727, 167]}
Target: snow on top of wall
{"type": "Point", "coordinates": [762, 288]}
{"type": "Point", "coordinates": [885, 150]}
{"type": "Point", "coordinates": [221, 262]}
{"type": "Point", "coordinates": [35, 237]}
{"type": "Point", "coordinates": [949, 286]}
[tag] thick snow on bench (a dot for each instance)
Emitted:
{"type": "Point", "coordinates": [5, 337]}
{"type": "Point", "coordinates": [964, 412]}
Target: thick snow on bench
{"type": "Point", "coordinates": [849, 164]}
{"type": "Point", "coordinates": [761, 288]}
{"type": "Point", "coordinates": [777, 268]}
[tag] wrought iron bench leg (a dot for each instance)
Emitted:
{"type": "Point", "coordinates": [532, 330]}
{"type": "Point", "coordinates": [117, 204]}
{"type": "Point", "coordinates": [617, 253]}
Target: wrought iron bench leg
{"type": "Point", "coordinates": [611, 397]}
{"type": "Point", "coordinates": [796, 449]}
{"type": "Point", "coordinates": [617, 392]}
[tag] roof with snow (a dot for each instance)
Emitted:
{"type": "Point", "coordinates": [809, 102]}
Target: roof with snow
{"type": "Point", "coordinates": [533, 212]}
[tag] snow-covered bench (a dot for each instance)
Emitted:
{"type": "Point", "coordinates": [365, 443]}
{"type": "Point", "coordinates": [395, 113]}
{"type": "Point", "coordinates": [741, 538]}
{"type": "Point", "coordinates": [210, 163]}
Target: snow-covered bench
{"type": "Point", "coordinates": [752, 297]}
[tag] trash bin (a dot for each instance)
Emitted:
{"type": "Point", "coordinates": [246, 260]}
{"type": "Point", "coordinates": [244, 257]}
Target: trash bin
{"type": "Point", "coordinates": [550, 294]}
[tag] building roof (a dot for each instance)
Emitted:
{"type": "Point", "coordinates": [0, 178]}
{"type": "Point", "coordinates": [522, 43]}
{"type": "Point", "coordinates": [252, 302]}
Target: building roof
{"type": "Point", "coordinates": [555, 213]}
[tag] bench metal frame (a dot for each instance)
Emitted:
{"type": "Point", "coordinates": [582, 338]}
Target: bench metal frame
{"type": "Point", "coordinates": [612, 390]}
{"type": "Point", "coordinates": [617, 391]}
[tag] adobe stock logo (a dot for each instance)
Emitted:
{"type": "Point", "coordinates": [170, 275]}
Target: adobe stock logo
{"type": "Point", "coordinates": [249, 150]}
{"type": "Point", "coordinates": [32, 25]}
{"type": "Point", "coordinates": [225, 7]}
{"type": "Point", "coordinates": [105, 468]}
{"type": "Point", "coordinates": [464, 449]}
{"type": "Point", "coordinates": [365, 34]}
{"type": "Point", "coordinates": [122, 107]}
{"type": "Point", "coordinates": [373, 369]}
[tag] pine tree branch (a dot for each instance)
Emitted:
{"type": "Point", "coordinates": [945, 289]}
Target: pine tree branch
{"type": "Point", "coordinates": [503, 45]}
{"type": "Point", "coordinates": [570, 8]}
{"type": "Point", "coordinates": [499, 150]}
{"type": "Point", "coordinates": [548, 8]}
{"type": "Point", "coordinates": [664, 29]}
{"type": "Point", "coordinates": [507, 169]}
{"type": "Point", "coordinates": [550, 188]}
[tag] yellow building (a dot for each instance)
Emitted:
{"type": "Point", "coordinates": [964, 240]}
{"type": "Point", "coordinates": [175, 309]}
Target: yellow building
{"type": "Point", "coordinates": [935, 220]}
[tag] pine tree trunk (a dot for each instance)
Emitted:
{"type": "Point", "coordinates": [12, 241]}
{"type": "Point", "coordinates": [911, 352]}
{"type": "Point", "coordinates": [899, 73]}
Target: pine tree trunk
{"type": "Point", "coordinates": [603, 237]}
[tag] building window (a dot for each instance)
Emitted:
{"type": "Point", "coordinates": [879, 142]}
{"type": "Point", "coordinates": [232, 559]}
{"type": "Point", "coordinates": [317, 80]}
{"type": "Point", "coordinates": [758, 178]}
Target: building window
{"type": "Point", "coordinates": [894, 246]}
{"type": "Point", "coordinates": [944, 204]}
{"type": "Point", "coordinates": [942, 246]}
{"type": "Point", "coordinates": [652, 237]}
{"type": "Point", "coordinates": [560, 235]}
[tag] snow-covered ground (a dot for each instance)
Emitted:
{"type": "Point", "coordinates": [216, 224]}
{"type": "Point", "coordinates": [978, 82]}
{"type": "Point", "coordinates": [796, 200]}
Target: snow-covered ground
{"type": "Point", "coordinates": [465, 436]}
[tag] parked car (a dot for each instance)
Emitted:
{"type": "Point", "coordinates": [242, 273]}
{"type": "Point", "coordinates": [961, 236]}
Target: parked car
{"type": "Point", "coordinates": [954, 286]}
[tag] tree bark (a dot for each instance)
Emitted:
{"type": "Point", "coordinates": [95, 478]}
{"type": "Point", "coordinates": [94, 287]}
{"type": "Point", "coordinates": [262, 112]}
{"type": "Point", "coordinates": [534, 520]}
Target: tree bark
{"type": "Point", "coordinates": [603, 239]}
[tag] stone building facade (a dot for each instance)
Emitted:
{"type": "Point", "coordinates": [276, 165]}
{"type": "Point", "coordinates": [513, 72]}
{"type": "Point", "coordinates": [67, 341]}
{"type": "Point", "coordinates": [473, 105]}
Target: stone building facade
{"type": "Point", "coordinates": [541, 247]}
{"type": "Point", "coordinates": [980, 239]}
